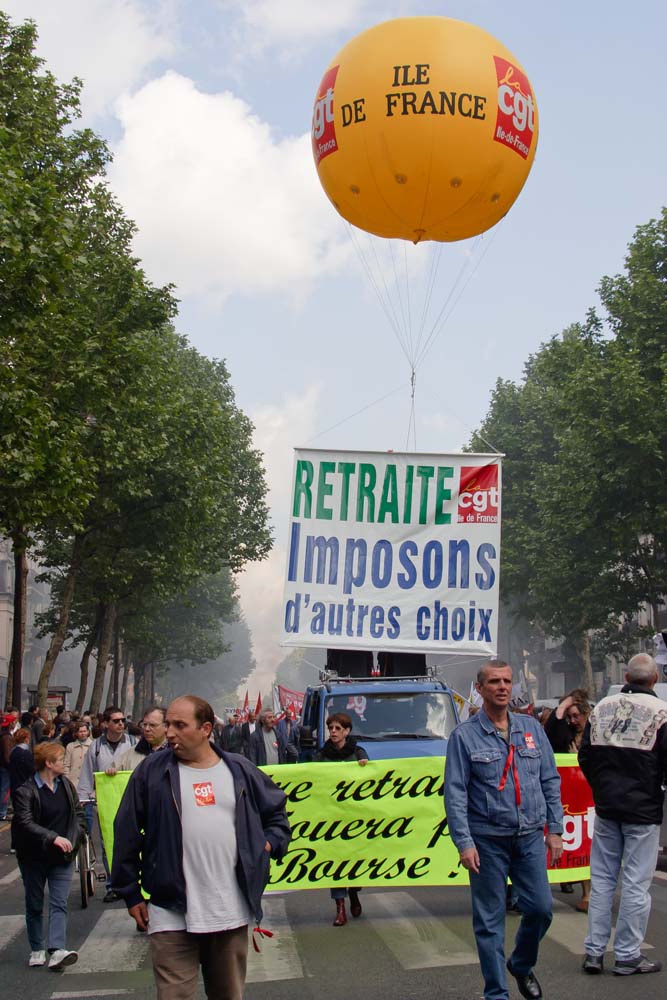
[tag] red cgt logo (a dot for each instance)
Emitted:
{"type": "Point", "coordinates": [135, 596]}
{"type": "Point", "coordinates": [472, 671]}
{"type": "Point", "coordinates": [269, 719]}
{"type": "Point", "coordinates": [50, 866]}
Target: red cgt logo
{"type": "Point", "coordinates": [478, 494]}
{"type": "Point", "coordinates": [515, 121]}
{"type": "Point", "coordinates": [204, 794]}
{"type": "Point", "coordinates": [323, 131]}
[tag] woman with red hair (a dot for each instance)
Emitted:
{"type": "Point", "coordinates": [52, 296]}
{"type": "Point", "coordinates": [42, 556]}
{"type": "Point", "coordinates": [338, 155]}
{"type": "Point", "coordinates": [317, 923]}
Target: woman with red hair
{"type": "Point", "coordinates": [47, 829]}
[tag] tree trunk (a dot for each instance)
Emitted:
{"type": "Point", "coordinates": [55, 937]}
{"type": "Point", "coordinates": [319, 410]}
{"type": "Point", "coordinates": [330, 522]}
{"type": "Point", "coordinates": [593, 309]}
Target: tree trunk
{"type": "Point", "coordinates": [584, 649]}
{"type": "Point", "coordinates": [139, 690]}
{"type": "Point", "coordinates": [126, 674]}
{"type": "Point", "coordinates": [15, 671]}
{"type": "Point", "coordinates": [105, 699]}
{"type": "Point", "coordinates": [58, 637]}
{"type": "Point", "coordinates": [85, 660]}
{"type": "Point", "coordinates": [115, 699]}
{"type": "Point", "coordinates": [103, 649]}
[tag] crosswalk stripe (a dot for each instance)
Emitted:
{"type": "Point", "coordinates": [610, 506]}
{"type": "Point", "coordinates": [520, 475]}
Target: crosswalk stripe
{"type": "Point", "coordinates": [416, 938]}
{"type": "Point", "coordinates": [12, 877]}
{"type": "Point", "coordinates": [278, 958]}
{"type": "Point", "coordinates": [569, 927]}
{"type": "Point", "coordinates": [84, 994]}
{"type": "Point", "coordinates": [112, 945]}
{"type": "Point", "coordinates": [10, 927]}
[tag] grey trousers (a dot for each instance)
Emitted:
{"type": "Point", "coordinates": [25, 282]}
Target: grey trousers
{"type": "Point", "coordinates": [178, 955]}
{"type": "Point", "coordinates": [625, 853]}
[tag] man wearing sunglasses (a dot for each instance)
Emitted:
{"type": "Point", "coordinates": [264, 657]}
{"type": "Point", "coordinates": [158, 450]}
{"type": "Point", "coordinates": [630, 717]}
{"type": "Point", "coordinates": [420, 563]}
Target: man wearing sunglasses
{"type": "Point", "coordinates": [105, 755]}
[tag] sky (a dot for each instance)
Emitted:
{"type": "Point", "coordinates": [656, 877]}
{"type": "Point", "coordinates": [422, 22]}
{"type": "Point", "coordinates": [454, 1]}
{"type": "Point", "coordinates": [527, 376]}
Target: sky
{"type": "Point", "coordinates": [207, 108]}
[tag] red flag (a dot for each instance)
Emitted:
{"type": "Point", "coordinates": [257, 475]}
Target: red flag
{"type": "Point", "coordinates": [258, 706]}
{"type": "Point", "coordinates": [245, 706]}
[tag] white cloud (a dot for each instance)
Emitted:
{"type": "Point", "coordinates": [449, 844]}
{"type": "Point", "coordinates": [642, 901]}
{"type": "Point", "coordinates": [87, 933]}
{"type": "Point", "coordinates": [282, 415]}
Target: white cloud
{"type": "Point", "coordinates": [292, 24]}
{"type": "Point", "coordinates": [223, 205]}
{"type": "Point", "coordinates": [277, 428]}
{"type": "Point", "coordinates": [109, 45]}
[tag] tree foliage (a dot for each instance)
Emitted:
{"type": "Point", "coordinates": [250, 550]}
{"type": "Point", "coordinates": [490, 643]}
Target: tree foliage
{"type": "Point", "coordinates": [124, 453]}
{"type": "Point", "coordinates": [584, 529]}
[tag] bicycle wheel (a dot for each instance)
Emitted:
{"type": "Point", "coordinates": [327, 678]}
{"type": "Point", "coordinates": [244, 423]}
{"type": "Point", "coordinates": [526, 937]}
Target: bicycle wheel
{"type": "Point", "coordinates": [91, 882]}
{"type": "Point", "coordinates": [84, 871]}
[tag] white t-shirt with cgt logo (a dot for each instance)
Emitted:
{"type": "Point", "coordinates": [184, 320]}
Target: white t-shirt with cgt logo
{"type": "Point", "coordinates": [214, 900]}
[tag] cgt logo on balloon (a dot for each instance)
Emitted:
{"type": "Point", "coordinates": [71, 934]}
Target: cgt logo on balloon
{"type": "Point", "coordinates": [324, 128]}
{"type": "Point", "coordinates": [515, 122]}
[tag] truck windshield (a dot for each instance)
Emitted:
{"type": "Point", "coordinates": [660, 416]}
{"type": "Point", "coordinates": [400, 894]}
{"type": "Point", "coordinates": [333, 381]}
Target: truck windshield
{"type": "Point", "coordinates": [380, 716]}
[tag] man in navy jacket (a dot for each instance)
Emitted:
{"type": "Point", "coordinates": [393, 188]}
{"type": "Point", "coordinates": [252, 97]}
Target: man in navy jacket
{"type": "Point", "coordinates": [195, 830]}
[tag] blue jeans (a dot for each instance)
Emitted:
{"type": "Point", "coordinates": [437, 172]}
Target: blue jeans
{"type": "Point", "coordinates": [523, 859]}
{"type": "Point", "coordinates": [35, 876]}
{"type": "Point", "coordinates": [631, 851]}
{"type": "Point", "coordinates": [340, 893]}
{"type": "Point", "coordinates": [4, 792]}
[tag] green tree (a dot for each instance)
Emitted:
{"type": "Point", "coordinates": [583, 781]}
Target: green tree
{"type": "Point", "coordinates": [585, 518]}
{"type": "Point", "coordinates": [63, 259]}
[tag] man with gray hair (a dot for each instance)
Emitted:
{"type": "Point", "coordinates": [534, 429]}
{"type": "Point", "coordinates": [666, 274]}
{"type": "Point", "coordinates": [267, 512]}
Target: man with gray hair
{"type": "Point", "coordinates": [267, 745]}
{"type": "Point", "coordinates": [502, 789]}
{"type": "Point", "coordinates": [624, 758]}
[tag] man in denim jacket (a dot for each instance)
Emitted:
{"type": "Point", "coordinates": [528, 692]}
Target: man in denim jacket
{"type": "Point", "coordinates": [501, 789]}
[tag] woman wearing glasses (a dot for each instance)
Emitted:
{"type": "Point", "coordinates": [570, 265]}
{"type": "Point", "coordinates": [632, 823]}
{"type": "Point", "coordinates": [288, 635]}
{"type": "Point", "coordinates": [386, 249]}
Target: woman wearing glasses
{"type": "Point", "coordinates": [341, 747]}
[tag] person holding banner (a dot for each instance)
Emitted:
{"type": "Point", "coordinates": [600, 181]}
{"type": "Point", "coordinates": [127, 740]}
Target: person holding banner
{"type": "Point", "coordinates": [342, 747]}
{"type": "Point", "coordinates": [623, 756]}
{"type": "Point", "coordinates": [501, 788]}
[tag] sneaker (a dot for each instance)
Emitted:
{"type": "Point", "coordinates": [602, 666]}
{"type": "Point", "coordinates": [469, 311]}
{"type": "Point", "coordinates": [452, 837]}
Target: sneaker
{"type": "Point", "coordinates": [37, 958]}
{"type": "Point", "coordinates": [60, 958]}
{"type": "Point", "coordinates": [593, 964]}
{"type": "Point", "coordinates": [110, 896]}
{"type": "Point", "coordinates": [635, 965]}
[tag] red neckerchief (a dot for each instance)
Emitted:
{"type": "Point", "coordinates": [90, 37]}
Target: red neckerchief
{"type": "Point", "coordinates": [510, 762]}
{"type": "Point", "coordinates": [262, 931]}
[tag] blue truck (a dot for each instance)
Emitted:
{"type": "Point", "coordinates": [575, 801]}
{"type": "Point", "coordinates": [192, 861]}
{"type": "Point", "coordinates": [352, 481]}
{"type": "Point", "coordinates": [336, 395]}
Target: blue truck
{"type": "Point", "coordinates": [398, 706]}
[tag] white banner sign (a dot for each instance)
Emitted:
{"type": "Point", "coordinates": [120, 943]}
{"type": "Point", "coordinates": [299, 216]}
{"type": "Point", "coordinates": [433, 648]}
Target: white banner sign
{"type": "Point", "coordinates": [393, 551]}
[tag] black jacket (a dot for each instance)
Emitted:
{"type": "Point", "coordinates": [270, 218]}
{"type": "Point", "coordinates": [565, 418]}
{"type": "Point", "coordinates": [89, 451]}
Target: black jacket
{"type": "Point", "coordinates": [21, 767]}
{"type": "Point", "coordinates": [349, 751]}
{"type": "Point", "coordinates": [35, 842]}
{"type": "Point", "coordinates": [624, 755]}
{"type": "Point", "coordinates": [148, 836]}
{"type": "Point", "coordinates": [559, 732]}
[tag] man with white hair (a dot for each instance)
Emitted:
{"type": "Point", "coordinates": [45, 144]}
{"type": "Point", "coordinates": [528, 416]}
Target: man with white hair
{"type": "Point", "coordinates": [624, 758]}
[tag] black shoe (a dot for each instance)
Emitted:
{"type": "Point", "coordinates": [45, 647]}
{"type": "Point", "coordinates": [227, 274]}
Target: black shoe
{"type": "Point", "coordinates": [635, 965]}
{"type": "Point", "coordinates": [593, 964]}
{"type": "Point", "coordinates": [527, 985]}
{"type": "Point", "coordinates": [567, 888]}
{"type": "Point", "coordinates": [355, 902]}
{"type": "Point", "coordinates": [110, 896]}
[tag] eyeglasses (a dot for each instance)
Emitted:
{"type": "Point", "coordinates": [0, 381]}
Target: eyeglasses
{"type": "Point", "coordinates": [117, 721]}
{"type": "Point", "coordinates": [334, 726]}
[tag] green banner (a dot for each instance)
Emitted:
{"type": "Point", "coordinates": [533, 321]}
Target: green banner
{"type": "Point", "coordinates": [381, 824]}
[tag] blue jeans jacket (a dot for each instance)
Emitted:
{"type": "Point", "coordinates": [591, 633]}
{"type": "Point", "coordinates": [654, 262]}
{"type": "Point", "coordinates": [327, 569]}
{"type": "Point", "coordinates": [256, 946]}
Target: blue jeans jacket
{"type": "Point", "coordinates": [477, 800]}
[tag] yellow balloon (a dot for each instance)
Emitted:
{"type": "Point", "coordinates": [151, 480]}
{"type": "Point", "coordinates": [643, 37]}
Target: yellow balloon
{"type": "Point", "coordinates": [424, 128]}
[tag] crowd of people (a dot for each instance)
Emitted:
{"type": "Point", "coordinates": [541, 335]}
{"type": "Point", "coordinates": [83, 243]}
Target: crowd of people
{"type": "Point", "coordinates": [198, 823]}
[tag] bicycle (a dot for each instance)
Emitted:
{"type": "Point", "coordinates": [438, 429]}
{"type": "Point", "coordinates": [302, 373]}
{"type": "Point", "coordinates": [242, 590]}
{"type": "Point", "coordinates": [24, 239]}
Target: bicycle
{"type": "Point", "coordinates": [86, 864]}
